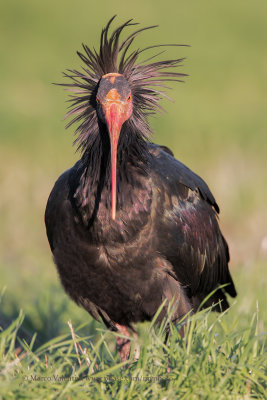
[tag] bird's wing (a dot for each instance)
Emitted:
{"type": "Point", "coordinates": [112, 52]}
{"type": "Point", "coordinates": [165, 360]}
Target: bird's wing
{"type": "Point", "coordinates": [188, 229]}
{"type": "Point", "coordinates": [55, 213]}
{"type": "Point", "coordinates": [60, 217]}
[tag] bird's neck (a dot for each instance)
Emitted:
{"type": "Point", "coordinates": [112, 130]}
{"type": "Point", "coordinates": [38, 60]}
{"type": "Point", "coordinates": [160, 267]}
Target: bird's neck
{"type": "Point", "coordinates": [95, 172]}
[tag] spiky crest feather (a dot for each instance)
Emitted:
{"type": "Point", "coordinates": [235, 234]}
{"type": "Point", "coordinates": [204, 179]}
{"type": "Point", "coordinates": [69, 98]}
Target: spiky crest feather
{"type": "Point", "coordinates": [144, 80]}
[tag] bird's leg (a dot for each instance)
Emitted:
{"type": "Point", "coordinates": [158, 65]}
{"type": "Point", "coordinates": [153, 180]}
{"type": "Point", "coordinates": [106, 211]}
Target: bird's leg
{"type": "Point", "coordinates": [123, 344]}
{"type": "Point", "coordinates": [136, 347]}
{"type": "Point", "coordinates": [183, 310]}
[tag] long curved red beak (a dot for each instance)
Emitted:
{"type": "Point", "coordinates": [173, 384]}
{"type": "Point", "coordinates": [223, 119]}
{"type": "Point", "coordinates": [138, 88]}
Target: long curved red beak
{"type": "Point", "coordinates": [114, 115]}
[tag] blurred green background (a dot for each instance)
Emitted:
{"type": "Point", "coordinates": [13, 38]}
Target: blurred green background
{"type": "Point", "coordinates": [216, 126]}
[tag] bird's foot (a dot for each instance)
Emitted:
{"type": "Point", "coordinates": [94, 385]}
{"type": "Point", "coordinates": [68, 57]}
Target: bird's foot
{"type": "Point", "coordinates": [123, 344]}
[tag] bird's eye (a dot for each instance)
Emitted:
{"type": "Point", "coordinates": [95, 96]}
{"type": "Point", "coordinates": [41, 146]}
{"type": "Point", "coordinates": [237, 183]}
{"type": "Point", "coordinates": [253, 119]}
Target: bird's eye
{"type": "Point", "coordinates": [129, 98]}
{"type": "Point", "coordinates": [97, 100]}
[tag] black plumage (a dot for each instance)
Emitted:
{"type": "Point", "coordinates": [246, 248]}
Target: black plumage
{"type": "Point", "coordinates": [162, 238]}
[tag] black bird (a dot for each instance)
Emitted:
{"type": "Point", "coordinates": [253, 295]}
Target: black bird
{"type": "Point", "coordinates": [129, 225]}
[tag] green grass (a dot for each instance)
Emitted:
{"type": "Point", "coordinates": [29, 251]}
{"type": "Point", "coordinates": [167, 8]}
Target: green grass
{"type": "Point", "coordinates": [216, 125]}
{"type": "Point", "coordinates": [217, 359]}
{"type": "Point", "coordinates": [220, 357]}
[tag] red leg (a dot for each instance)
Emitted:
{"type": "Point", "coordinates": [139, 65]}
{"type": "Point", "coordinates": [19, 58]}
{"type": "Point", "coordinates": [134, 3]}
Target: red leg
{"type": "Point", "coordinates": [123, 344]}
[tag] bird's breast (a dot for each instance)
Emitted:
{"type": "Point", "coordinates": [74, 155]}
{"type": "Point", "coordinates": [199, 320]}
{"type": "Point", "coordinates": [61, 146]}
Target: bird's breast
{"type": "Point", "coordinates": [133, 217]}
